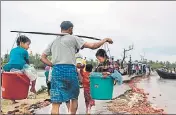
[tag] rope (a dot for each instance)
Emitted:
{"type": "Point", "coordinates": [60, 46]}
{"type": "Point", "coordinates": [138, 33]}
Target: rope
{"type": "Point", "coordinates": [106, 44]}
{"type": "Point", "coordinates": [15, 40]}
{"type": "Point", "coordinates": [106, 48]}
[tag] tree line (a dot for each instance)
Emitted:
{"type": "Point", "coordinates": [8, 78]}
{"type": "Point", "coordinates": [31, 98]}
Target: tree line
{"type": "Point", "coordinates": [35, 60]}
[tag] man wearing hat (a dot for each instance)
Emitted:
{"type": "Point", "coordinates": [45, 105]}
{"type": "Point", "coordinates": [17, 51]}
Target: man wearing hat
{"type": "Point", "coordinates": [64, 79]}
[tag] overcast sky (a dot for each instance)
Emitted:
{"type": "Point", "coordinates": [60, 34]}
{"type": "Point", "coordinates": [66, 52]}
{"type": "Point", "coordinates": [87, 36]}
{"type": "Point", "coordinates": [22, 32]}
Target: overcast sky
{"type": "Point", "coordinates": [149, 25]}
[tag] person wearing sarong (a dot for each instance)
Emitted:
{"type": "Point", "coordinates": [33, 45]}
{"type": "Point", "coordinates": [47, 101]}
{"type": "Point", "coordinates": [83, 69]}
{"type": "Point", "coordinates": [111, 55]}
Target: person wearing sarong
{"type": "Point", "coordinates": [64, 79]}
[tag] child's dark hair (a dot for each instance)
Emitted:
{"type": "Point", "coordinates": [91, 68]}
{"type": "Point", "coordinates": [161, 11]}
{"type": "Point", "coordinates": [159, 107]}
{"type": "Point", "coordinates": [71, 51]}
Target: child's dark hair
{"type": "Point", "coordinates": [89, 67]}
{"type": "Point", "coordinates": [101, 53]}
{"type": "Point", "coordinates": [22, 38]}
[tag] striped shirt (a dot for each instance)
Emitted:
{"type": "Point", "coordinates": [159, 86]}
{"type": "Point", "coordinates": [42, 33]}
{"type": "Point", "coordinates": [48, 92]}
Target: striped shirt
{"type": "Point", "coordinates": [107, 66]}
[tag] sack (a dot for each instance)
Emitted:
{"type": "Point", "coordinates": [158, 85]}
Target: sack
{"type": "Point", "coordinates": [30, 72]}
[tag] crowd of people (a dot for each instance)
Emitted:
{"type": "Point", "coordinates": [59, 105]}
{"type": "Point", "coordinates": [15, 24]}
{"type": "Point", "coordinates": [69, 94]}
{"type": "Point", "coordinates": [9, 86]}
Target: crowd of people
{"type": "Point", "coordinates": [139, 69]}
{"type": "Point", "coordinates": [62, 72]}
{"type": "Point", "coordinates": [172, 70]}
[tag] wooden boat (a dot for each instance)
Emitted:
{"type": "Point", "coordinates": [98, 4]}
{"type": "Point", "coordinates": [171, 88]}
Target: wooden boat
{"type": "Point", "coordinates": [166, 75]}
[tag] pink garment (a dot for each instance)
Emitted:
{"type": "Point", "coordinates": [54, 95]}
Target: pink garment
{"type": "Point", "coordinates": [137, 67]}
{"type": "Point", "coordinates": [47, 68]}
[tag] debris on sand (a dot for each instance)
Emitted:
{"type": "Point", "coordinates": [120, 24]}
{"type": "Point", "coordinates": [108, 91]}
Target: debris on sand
{"type": "Point", "coordinates": [133, 101]}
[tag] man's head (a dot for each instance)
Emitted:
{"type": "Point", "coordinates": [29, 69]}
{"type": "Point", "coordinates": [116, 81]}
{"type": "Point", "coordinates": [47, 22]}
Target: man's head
{"type": "Point", "coordinates": [67, 27]}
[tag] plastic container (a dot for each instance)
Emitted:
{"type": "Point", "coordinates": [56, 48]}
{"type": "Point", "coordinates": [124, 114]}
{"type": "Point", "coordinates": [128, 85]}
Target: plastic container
{"type": "Point", "coordinates": [15, 86]}
{"type": "Point", "coordinates": [101, 88]}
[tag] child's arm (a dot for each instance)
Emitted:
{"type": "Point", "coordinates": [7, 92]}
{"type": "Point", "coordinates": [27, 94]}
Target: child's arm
{"type": "Point", "coordinates": [109, 69]}
{"type": "Point", "coordinates": [27, 61]}
{"type": "Point", "coordinates": [26, 57]}
{"type": "Point", "coordinates": [105, 74]}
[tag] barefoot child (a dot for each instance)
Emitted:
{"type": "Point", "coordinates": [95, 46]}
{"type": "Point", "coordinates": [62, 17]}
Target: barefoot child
{"type": "Point", "coordinates": [86, 85]}
{"type": "Point", "coordinates": [19, 59]}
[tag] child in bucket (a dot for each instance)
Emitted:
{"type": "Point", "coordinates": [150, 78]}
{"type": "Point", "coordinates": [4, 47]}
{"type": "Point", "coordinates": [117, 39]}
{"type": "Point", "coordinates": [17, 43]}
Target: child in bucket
{"type": "Point", "coordinates": [107, 66]}
{"type": "Point", "coordinates": [86, 85]}
{"type": "Point", "coordinates": [19, 60]}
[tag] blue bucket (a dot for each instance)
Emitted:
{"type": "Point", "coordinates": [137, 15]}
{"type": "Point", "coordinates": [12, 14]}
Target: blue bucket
{"type": "Point", "coordinates": [101, 88]}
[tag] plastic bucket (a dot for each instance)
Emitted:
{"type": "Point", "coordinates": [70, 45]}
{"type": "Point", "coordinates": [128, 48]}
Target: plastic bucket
{"type": "Point", "coordinates": [101, 88]}
{"type": "Point", "coordinates": [15, 86]}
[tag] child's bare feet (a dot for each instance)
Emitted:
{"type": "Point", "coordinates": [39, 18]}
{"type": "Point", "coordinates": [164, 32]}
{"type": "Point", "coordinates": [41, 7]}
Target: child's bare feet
{"type": "Point", "coordinates": [88, 111]}
{"type": "Point", "coordinates": [14, 102]}
{"type": "Point", "coordinates": [33, 90]}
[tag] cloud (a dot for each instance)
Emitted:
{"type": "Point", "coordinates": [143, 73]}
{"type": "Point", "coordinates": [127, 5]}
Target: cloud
{"type": "Point", "coordinates": [168, 51]}
{"type": "Point", "coordinates": [149, 25]}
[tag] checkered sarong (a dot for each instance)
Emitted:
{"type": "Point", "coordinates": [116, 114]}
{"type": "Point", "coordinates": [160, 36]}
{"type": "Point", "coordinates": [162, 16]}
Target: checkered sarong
{"type": "Point", "coordinates": [64, 83]}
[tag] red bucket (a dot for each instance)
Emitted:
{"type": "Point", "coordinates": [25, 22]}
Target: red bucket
{"type": "Point", "coordinates": [15, 86]}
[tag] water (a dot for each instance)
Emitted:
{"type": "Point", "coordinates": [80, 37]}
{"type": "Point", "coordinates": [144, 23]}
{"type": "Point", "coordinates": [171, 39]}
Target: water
{"type": "Point", "coordinates": [41, 80]}
{"type": "Point", "coordinates": [161, 92]}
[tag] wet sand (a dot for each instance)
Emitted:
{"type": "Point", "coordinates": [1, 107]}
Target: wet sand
{"type": "Point", "coordinates": [134, 101]}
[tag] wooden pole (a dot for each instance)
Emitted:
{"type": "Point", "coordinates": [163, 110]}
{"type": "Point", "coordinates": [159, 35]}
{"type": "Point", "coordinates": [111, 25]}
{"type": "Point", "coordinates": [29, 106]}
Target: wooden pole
{"type": "Point", "coordinates": [61, 34]}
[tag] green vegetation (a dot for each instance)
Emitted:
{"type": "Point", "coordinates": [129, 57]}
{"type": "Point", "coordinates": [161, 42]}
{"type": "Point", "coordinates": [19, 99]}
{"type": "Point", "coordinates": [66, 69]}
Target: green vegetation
{"type": "Point", "coordinates": [161, 64]}
{"type": "Point", "coordinates": [35, 60]}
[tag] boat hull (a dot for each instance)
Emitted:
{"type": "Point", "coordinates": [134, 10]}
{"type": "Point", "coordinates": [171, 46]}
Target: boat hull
{"type": "Point", "coordinates": [166, 75]}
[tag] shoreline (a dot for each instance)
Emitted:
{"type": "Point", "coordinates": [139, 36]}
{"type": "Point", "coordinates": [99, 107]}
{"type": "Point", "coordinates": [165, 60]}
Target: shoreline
{"type": "Point", "coordinates": [133, 101]}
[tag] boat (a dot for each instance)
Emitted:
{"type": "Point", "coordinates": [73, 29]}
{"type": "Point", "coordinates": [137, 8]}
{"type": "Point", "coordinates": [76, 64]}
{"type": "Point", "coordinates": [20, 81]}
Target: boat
{"type": "Point", "coordinates": [166, 75]}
